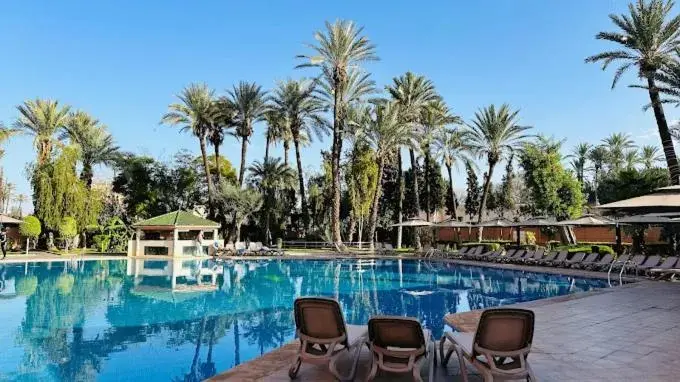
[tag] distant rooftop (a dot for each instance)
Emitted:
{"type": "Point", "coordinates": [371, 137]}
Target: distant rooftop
{"type": "Point", "coordinates": [177, 219]}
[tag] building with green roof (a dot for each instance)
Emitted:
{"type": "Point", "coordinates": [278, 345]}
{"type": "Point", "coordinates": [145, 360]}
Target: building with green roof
{"type": "Point", "coordinates": [161, 235]}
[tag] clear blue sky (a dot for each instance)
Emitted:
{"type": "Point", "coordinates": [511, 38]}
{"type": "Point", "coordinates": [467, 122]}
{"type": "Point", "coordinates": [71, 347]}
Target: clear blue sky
{"type": "Point", "coordinates": [124, 61]}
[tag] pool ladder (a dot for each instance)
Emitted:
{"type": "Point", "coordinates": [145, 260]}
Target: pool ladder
{"type": "Point", "coordinates": [623, 268]}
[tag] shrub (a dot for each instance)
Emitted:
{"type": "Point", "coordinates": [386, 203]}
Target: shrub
{"type": "Point", "coordinates": [68, 229]}
{"type": "Point", "coordinates": [603, 249]}
{"type": "Point", "coordinates": [30, 228]}
{"type": "Point", "coordinates": [530, 238]}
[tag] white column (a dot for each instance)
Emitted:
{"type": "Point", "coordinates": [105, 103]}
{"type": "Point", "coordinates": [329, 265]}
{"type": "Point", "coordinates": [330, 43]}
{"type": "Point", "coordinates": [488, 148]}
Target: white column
{"type": "Point", "coordinates": [138, 245]}
{"type": "Point", "coordinates": [175, 240]}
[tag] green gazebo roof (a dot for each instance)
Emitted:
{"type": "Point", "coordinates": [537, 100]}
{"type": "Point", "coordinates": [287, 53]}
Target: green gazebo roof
{"type": "Point", "coordinates": [177, 219]}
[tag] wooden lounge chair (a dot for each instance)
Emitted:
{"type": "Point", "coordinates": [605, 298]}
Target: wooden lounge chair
{"type": "Point", "coordinates": [651, 262]}
{"type": "Point", "coordinates": [590, 259]}
{"type": "Point", "coordinates": [603, 264]}
{"type": "Point", "coordinates": [399, 345]}
{"type": "Point", "coordinates": [323, 335]}
{"type": "Point", "coordinates": [669, 263]}
{"type": "Point", "coordinates": [498, 349]}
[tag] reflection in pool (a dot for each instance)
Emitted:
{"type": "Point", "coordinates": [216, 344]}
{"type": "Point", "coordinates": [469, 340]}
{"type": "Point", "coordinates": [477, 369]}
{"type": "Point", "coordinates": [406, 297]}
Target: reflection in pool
{"type": "Point", "coordinates": [188, 320]}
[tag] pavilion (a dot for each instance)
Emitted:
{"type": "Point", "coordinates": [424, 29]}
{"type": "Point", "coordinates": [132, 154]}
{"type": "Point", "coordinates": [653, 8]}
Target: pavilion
{"type": "Point", "coordinates": [173, 234]}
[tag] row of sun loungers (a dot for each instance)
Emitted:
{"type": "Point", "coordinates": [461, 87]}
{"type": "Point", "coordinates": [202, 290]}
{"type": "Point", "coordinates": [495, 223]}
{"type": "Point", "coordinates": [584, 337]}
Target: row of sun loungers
{"type": "Point", "coordinates": [252, 249]}
{"type": "Point", "coordinates": [498, 349]}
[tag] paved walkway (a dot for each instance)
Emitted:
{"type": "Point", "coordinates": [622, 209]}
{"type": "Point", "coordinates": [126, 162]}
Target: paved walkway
{"type": "Point", "coordinates": [629, 333]}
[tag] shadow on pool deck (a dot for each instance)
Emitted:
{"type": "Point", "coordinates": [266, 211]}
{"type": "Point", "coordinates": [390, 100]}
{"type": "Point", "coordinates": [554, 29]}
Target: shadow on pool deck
{"type": "Point", "coordinates": [628, 333]}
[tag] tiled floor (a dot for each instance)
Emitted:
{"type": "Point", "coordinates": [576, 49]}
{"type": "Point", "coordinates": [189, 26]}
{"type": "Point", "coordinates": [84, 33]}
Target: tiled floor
{"type": "Point", "coordinates": [629, 333]}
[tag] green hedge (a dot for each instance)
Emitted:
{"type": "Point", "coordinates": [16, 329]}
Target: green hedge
{"type": "Point", "coordinates": [586, 248]}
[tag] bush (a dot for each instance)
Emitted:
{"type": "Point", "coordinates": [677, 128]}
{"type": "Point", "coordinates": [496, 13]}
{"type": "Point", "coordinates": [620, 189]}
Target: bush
{"type": "Point", "coordinates": [68, 229]}
{"type": "Point", "coordinates": [603, 249]}
{"type": "Point", "coordinates": [30, 228]}
{"type": "Point", "coordinates": [530, 238]}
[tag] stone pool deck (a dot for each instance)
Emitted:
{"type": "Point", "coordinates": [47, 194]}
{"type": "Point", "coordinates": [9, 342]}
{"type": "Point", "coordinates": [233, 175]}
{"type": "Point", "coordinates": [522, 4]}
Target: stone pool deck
{"type": "Point", "coordinates": [627, 333]}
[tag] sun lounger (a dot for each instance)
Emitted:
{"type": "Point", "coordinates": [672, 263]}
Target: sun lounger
{"type": "Point", "coordinates": [635, 261]}
{"type": "Point", "coordinates": [651, 262]}
{"type": "Point", "coordinates": [538, 257]}
{"type": "Point", "coordinates": [473, 252]}
{"type": "Point", "coordinates": [603, 264]}
{"type": "Point", "coordinates": [577, 258]}
{"type": "Point", "coordinates": [399, 345]}
{"type": "Point", "coordinates": [498, 349]}
{"type": "Point", "coordinates": [387, 249]}
{"type": "Point", "coordinates": [508, 253]}
{"type": "Point", "coordinates": [618, 263]}
{"type": "Point", "coordinates": [559, 259]}
{"type": "Point", "coordinates": [491, 256]}
{"type": "Point", "coordinates": [590, 259]}
{"type": "Point", "coordinates": [518, 253]}
{"type": "Point", "coordinates": [528, 256]}
{"type": "Point", "coordinates": [669, 263]}
{"type": "Point", "coordinates": [324, 336]}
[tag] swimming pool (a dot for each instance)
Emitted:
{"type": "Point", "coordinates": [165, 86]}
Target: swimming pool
{"type": "Point", "coordinates": [188, 320]}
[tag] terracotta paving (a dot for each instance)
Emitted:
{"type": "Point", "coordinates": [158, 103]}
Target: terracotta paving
{"type": "Point", "coordinates": [628, 333]}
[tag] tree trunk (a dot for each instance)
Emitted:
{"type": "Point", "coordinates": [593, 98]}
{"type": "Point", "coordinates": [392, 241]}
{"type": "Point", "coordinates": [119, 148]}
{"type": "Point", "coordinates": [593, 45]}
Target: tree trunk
{"type": "Point", "coordinates": [242, 170]}
{"type": "Point", "coordinates": [86, 174]}
{"type": "Point", "coordinates": [217, 164]}
{"type": "Point", "coordinates": [211, 189]}
{"type": "Point", "coordinates": [266, 147]}
{"type": "Point", "coordinates": [374, 206]}
{"type": "Point", "coordinates": [400, 204]}
{"type": "Point", "coordinates": [352, 225]}
{"type": "Point", "coordinates": [416, 196]}
{"type": "Point", "coordinates": [301, 181]}
{"type": "Point", "coordinates": [664, 132]}
{"type": "Point", "coordinates": [427, 183]}
{"type": "Point", "coordinates": [237, 342]}
{"type": "Point", "coordinates": [485, 195]}
{"type": "Point", "coordinates": [286, 147]}
{"type": "Point", "coordinates": [452, 195]}
{"type": "Point", "coordinates": [335, 166]}
{"type": "Point", "coordinates": [595, 185]}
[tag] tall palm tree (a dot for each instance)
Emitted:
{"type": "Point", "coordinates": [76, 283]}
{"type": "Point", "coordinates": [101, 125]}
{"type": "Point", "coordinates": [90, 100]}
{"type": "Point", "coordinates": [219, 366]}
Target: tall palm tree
{"type": "Point", "coordinates": [96, 144]}
{"type": "Point", "coordinates": [434, 116]}
{"type": "Point", "coordinates": [451, 147]}
{"type": "Point", "coordinates": [648, 39]}
{"type": "Point", "coordinates": [297, 103]}
{"type": "Point", "coordinates": [495, 133]}
{"type": "Point", "coordinates": [276, 125]}
{"type": "Point", "coordinates": [579, 157]}
{"type": "Point", "coordinates": [250, 102]}
{"type": "Point", "coordinates": [5, 134]}
{"type": "Point", "coordinates": [597, 156]}
{"type": "Point", "coordinates": [272, 178]}
{"type": "Point", "coordinates": [385, 132]}
{"type": "Point", "coordinates": [411, 92]}
{"type": "Point", "coordinates": [20, 199]}
{"type": "Point", "coordinates": [338, 51]}
{"type": "Point", "coordinates": [649, 154]}
{"type": "Point", "coordinates": [617, 144]}
{"type": "Point", "coordinates": [42, 119]}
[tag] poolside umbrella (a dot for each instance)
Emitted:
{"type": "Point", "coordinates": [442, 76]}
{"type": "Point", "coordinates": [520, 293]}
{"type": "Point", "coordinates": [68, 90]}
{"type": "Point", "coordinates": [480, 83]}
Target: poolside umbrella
{"type": "Point", "coordinates": [647, 219]}
{"type": "Point", "coordinates": [665, 199]}
{"type": "Point", "coordinates": [538, 221]}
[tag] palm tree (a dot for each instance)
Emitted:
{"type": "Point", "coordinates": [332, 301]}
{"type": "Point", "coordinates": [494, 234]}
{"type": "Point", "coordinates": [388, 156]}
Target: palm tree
{"type": "Point", "coordinates": [5, 134]}
{"type": "Point", "coordinates": [96, 144]}
{"type": "Point", "coordinates": [598, 156]}
{"type": "Point", "coordinates": [42, 119]}
{"type": "Point", "coordinates": [434, 116]}
{"type": "Point", "coordinates": [617, 144]}
{"type": "Point", "coordinates": [250, 103]}
{"type": "Point", "coordinates": [272, 178]}
{"type": "Point", "coordinates": [452, 148]}
{"type": "Point", "coordinates": [196, 113]}
{"type": "Point", "coordinates": [494, 134]}
{"type": "Point", "coordinates": [649, 155]}
{"type": "Point", "coordinates": [579, 157]}
{"type": "Point", "coordinates": [385, 133]}
{"type": "Point", "coordinates": [222, 122]}
{"type": "Point", "coordinates": [276, 126]}
{"type": "Point", "coordinates": [296, 102]}
{"type": "Point", "coordinates": [648, 41]}
{"type": "Point", "coordinates": [338, 51]}
{"type": "Point", "coordinates": [631, 159]}
{"type": "Point", "coordinates": [411, 92]}
{"type": "Point", "coordinates": [20, 199]}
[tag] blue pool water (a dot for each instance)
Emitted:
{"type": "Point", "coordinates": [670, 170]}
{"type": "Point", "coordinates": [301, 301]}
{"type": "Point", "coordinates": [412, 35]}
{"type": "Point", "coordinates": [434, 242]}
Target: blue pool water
{"type": "Point", "coordinates": [188, 320]}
